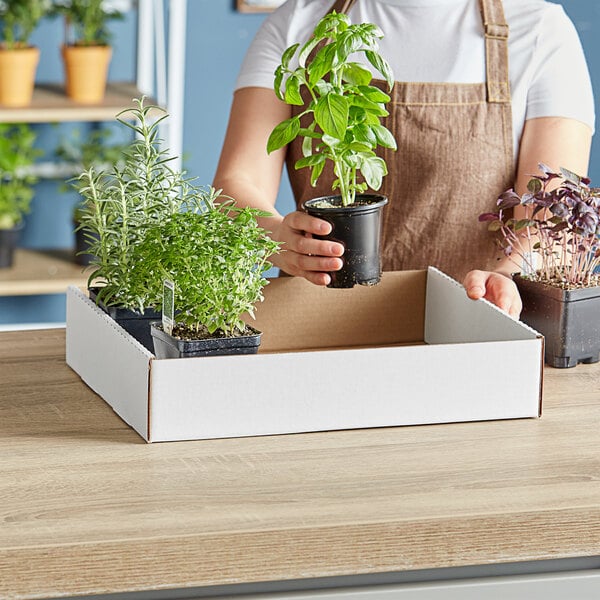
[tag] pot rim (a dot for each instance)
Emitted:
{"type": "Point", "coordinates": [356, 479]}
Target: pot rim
{"type": "Point", "coordinates": [374, 202]}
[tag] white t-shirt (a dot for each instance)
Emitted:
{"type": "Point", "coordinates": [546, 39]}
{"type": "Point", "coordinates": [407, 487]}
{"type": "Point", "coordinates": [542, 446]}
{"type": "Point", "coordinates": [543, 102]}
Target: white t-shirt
{"type": "Point", "coordinates": [442, 41]}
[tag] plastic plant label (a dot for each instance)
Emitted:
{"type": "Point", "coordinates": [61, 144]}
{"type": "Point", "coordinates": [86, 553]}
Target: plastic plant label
{"type": "Point", "coordinates": [527, 264]}
{"type": "Point", "coordinates": [168, 306]}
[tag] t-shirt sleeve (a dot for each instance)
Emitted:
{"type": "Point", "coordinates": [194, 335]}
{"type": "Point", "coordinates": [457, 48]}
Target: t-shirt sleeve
{"type": "Point", "coordinates": [264, 53]}
{"type": "Point", "coordinates": [561, 85]}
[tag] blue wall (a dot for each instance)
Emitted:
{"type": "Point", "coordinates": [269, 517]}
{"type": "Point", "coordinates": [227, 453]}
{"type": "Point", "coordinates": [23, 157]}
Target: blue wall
{"type": "Point", "coordinates": [217, 37]}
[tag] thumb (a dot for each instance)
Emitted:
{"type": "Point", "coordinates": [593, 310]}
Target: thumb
{"type": "Point", "coordinates": [474, 283]}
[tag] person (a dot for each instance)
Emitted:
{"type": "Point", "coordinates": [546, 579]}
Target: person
{"type": "Point", "coordinates": [485, 91]}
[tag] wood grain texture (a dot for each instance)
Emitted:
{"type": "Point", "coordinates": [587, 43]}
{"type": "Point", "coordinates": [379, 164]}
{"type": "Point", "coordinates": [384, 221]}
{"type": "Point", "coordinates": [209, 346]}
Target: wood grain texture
{"type": "Point", "coordinates": [50, 104]}
{"type": "Point", "coordinates": [86, 507]}
{"type": "Point", "coordinates": [42, 272]}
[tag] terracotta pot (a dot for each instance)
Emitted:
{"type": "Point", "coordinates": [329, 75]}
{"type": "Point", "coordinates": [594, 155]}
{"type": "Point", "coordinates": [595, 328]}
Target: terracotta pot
{"type": "Point", "coordinates": [17, 75]}
{"type": "Point", "coordinates": [86, 72]}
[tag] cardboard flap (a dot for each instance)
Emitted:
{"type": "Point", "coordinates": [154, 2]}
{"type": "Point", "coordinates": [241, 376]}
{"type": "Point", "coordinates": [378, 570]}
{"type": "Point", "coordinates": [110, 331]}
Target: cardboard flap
{"type": "Point", "coordinates": [108, 359]}
{"type": "Point", "coordinates": [297, 315]}
{"type": "Point", "coordinates": [452, 317]}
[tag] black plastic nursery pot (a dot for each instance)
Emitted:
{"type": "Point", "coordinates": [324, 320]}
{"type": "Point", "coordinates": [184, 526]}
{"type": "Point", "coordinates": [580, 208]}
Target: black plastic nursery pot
{"type": "Point", "coordinates": [135, 323]}
{"type": "Point", "coordinates": [569, 320]}
{"type": "Point", "coordinates": [168, 346]}
{"type": "Point", "coordinates": [8, 242]}
{"type": "Point", "coordinates": [358, 228]}
{"type": "Point", "coordinates": [82, 246]}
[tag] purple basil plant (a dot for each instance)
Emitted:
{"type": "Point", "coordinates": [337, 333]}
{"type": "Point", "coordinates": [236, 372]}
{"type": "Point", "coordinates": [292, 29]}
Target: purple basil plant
{"type": "Point", "coordinates": [562, 228]}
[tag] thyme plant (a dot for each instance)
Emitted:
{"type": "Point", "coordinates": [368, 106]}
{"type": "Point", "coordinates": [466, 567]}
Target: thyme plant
{"type": "Point", "coordinates": [562, 228]}
{"type": "Point", "coordinates": [121, 204]}
{"type": "Point", "coordinates": [343, 109]}
{"type": "Point", "coordinates": [17, 155]}
{"type": "Point", "coordinates": [216, 253]}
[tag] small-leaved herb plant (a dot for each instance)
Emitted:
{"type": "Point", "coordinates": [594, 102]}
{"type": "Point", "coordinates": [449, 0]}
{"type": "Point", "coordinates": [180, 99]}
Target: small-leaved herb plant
{"type": "Point", "coordinates": [344, 110]}
{"type": "Point", "coordinates": [19, 18]}
{"type": "Point", "coordinates": [121, 204]}
{"type": "Point", "coordinates": [216, 254]}
{"type": "Point", "coordinates": [17, 156]}
{"type": "Point", "coordinates": [562, 229]}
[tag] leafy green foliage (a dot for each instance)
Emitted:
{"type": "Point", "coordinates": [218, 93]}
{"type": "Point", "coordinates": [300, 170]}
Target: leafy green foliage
{"type": "Point", "coordinates": [562, 228]}
{"type": "Point", "coordinates": [19, 19]}
{"type": "Point", "coordinates": [89, 20]}
{"type": "Point", "coordinates": [94, 149]}
{"type": "Point", "coordinates": [216, 254]}
{"type": "Point", "coordinates": [17, 155]}
{"type": "Point", "coordinates": [345, 109]}
{"type": "Point", "coordinates": [119, 205]}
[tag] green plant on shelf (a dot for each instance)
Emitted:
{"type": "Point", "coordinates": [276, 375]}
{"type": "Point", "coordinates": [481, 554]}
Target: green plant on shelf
{"type": "Point", "coordinates": [19, 18]}
{"type": "Point", "coordinates": [88, 20]}
{"type": "Point", "coordinates": [17, 155]}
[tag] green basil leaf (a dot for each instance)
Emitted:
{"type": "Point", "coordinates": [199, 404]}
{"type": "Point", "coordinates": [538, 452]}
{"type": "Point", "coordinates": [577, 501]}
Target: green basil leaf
{"type": "Point", "coordinates": [373, 170]}
{"type": "Point", "coordinates": [288, 54]}
{"type": "Point", "coordinates": [331, 114]}
{"type": "Point", "coordinates": [316, 173]}
{"type": "Point", "coordinates": [306, 145]}
{"type": "Point", "coordinates": [283, 134]}
{"type": "Point", "coordinates": [364, 133]}
{"type": "Point", "coordinates": [292, 91]}
{"type": "Point", "coordinates": [306, 50]}
{"type": "Point", "coordinates": [384, 137]}
{"type": "Point", "coordinates": [382, 66]}
{"type": "Point", "coordinates": [322, 64]}
{"type": "Point", "coordinates": [278, 81]}
{"type": "Point", "coordinates": [374, 94]}
{"type": "Point", "coordinates": [355, 74]}
{"type": "Point", "coordinates": [310, 161]}
{"type": "Point", "coordinates": [372, 107]}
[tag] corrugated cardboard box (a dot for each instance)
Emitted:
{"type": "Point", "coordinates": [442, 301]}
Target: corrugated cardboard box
{"type": "Point", "coordinates": [411, 350]}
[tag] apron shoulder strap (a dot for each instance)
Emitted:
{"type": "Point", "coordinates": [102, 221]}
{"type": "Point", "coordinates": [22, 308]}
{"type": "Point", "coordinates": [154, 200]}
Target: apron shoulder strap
{"type": "Point", "coordinates": [342, 6]}
{"type": "Point", "coordinates": [495, 30]}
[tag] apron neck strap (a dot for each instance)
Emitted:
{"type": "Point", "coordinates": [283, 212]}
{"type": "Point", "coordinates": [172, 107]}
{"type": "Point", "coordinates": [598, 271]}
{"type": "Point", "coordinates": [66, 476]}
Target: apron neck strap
{"type": "Point", "coordinates": [342, 6]}
{"type": "Point", "coordinates": [495, 30]}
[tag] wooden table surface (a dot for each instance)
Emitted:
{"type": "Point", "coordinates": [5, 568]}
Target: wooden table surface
{"type": "Point", "coordinates": [86, 507]}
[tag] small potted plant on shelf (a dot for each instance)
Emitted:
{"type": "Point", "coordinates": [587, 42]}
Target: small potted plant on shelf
{"type": "Point", "coordinates": [339, 120]}
{"type": "Point", "coordinates": [215, 255]}
{"type": "Point", "coordinates": [557, 251]}
{"type": "Point", "coordinates": [18, 59]}
{"type": "Point", "coordinates": [17, 155]}
{"type": "Point", "coordinates": [118, 208]}
{"type": "Point", "coordinates": [86, 52]}
{"type": "Point", "coordinates": [93, 150]}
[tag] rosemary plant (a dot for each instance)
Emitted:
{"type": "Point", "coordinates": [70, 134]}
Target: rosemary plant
{"type": "Point", "coordinates": [121, 204]}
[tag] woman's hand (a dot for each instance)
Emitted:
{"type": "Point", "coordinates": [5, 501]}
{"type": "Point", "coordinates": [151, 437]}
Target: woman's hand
{"type": "Point", "coordinates": [496, 287]}
{"type": "Point", "coordinates": [301, 254]}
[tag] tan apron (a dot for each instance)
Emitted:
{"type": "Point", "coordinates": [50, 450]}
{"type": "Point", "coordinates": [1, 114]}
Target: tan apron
{"type": "Point", "coordinates": [454, 158]}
